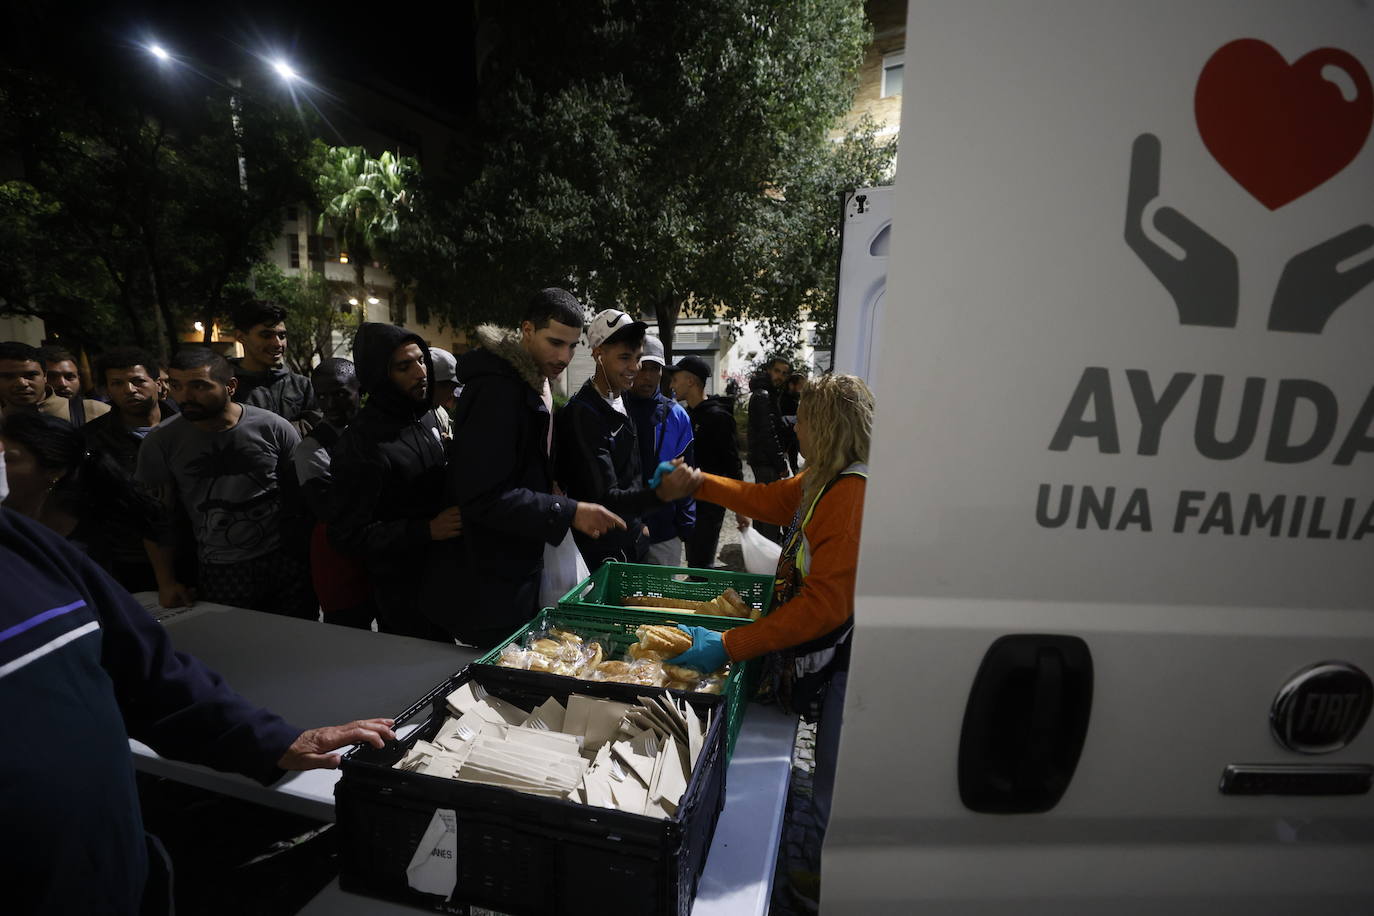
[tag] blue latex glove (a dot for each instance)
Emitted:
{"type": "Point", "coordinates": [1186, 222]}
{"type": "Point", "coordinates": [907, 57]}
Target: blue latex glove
{"type": "Point", "coordinates": [707, 653]}
{"type": "Point", "coordinates": [664, 468]}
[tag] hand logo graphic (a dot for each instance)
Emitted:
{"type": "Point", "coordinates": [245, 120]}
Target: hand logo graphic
{"type": "Point", "coordinates": [1311, 288]}
{"type": "Point", "coordinates": [1205, 283]}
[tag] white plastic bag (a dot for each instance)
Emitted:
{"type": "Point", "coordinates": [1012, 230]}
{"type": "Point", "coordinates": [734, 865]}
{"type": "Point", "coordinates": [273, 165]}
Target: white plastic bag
{"type": "Point", "coordinates": [563, 568]}
{"type": "Point", "coordinates": [760, 554]}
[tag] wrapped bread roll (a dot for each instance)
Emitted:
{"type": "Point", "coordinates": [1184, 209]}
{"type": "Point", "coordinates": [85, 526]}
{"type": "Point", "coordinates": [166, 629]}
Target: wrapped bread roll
{"type": "Point", "coordinates": [648, 674]}
{"type": "Point", "coordinates": [666, 641]}
{"type": "Point", "coordinates": [613, 669]}
{"type": "Point", "coordinates": [681, 685]}
{"type": "Point", "coordinates": [679, 673]}
{"type": "Point", "coordinates": [547, 647]}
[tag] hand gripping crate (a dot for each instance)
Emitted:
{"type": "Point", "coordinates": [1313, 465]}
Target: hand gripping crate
{"type": "Point", "coordinates": [611, 586]}
{"type": "Point", "coordinates": [616, 626]}
{"type": "Point", "coordinates": [521, 854]}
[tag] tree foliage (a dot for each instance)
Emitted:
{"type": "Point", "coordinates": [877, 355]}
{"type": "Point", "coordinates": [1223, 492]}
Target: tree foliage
{"type": "Point", "coordinates": [660, 157]}
{"type": "Point", "coordinates": [367, 200]}
{"type": "Point", "coordinates": [129, 221]}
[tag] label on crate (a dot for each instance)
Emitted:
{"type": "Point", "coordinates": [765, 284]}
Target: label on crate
{"type": "Point", "coordinates": [433, 868]}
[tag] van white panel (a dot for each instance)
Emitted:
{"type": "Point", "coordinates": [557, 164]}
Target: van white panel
{"type": "Point", "coordinates": [1011, 278]}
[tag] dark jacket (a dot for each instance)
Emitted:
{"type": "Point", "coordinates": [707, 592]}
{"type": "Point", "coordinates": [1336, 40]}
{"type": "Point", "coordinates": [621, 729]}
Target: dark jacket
{"type": "Point", "coordinates": [502, 477]}
{"type": "Point", "coordinates": [122, 534]}
{"type": "Point", "coordinates": [108, 435]}
{"type": "Point", "coordinates": [715, 437]}
{"type": "Point", "coordinates": [664, 431]}
{"type": "Point", "coordinates": [391, 466]}
{"type": "Point", "coordinates": [765, 448]}
{"type": "Point", "coordinates": [598, 461]}
{"type": "Point", "coordinates": [93, 670]}
{"type": "Point", "coordinates": [286, 394]}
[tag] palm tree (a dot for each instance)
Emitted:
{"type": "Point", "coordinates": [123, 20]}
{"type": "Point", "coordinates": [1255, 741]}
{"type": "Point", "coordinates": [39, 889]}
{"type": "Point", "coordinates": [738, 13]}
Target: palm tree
{"type": "Point", "coordinates": [365, 200]}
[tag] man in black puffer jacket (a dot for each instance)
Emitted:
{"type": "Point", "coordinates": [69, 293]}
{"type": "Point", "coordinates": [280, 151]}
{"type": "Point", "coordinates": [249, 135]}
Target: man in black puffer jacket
{"type": "Point", "coordinates": [501, 476]}
{"type": "Point", "coordinates": [390, 465]}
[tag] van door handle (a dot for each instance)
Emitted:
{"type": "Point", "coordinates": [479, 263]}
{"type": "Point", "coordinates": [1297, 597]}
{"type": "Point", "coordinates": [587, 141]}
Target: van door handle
{"type": "Point", "coordinates": [1025, 723]}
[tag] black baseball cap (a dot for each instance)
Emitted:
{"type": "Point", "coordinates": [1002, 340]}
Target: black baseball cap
{"type": "Point", "coordinates": [695, 365]}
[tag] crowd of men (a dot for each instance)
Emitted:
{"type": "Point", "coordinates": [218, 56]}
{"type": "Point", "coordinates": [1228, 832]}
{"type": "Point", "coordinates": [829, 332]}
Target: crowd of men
{"type": "Point", "coordinates": [406, 489]}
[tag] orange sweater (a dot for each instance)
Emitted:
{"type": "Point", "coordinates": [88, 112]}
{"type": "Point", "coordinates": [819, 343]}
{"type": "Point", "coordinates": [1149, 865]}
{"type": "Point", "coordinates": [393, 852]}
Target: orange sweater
{"type": "Point", "coordinates": [826, 600]}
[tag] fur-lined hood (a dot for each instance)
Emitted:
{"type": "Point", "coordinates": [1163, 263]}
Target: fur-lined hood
{"type": "Point", "coordinates": [500, 346]}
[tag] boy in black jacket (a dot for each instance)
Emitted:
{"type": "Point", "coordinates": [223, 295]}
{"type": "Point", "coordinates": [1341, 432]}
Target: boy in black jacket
{"type": "Point", "coordinates": [598, 450]}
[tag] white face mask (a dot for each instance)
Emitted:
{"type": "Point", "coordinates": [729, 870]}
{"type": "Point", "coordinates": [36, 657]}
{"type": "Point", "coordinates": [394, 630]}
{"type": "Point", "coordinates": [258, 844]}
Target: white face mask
{"type": "Point", "coordinates": [4, 480]}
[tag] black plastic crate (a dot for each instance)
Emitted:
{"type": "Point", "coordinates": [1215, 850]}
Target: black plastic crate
{"type": "Point", "coordinates": [523, 854]}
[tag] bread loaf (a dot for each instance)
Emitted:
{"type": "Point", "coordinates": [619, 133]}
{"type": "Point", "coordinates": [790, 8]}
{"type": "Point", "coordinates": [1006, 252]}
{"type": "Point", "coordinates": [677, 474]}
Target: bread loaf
{"type": "Point", "coordinates": [667, 641]}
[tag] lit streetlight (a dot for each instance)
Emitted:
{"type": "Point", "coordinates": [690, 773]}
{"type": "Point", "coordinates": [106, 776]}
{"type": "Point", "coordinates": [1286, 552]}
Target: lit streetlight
{"type": "Point", "coordinates": [159, 52]}
{"type": "Point", "coordinates": [284, 70]}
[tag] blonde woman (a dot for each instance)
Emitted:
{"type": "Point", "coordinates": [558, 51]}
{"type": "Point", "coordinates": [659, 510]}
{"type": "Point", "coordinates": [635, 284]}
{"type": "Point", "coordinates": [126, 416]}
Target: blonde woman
{"type": "Point", "coordinates": [809, 626]}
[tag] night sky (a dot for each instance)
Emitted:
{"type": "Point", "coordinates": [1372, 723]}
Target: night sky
{"type": "Point", "coordinates": [426, 55]}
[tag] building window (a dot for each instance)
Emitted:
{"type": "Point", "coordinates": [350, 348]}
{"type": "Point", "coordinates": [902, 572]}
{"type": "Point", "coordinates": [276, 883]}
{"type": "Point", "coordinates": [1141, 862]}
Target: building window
{"type": "Point", "coordinates": [321, 247]}
{"type": "Point", "coordinates": [292, 215]}
{"type": "Point", "coordinates": [293, 250]}
{"type": "Point", "coordinates": [892, 73]}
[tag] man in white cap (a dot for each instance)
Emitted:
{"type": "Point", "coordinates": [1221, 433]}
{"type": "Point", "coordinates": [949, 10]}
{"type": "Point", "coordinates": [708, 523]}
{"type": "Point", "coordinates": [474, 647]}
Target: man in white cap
{"type": "Point", "coordinates": [598, 449]}
{"type": "Point", "coordinates": [665, 432]}
{"type": "Point", "coordinates": [446, 391]}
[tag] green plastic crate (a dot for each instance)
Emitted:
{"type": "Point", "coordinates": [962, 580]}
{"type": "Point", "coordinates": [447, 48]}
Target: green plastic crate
{"type": "Point", "coordinates": [616, 627]}
{"type": "Point", "coordinates": [609, 587]}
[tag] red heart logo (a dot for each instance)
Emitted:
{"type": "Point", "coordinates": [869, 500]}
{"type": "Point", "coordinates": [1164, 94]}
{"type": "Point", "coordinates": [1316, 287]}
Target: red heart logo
{"type": "Point", "coordinates": [1281, 131]}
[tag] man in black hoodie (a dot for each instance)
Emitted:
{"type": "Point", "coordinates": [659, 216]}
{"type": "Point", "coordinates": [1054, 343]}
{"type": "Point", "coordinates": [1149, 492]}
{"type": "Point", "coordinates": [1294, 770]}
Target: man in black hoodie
{"type": "Point", "coordinates": [391, 466]}
{"type": "Point", "coordinates": [501, 475]}
{"type": "Point", "coordinates": [598, 448]}
{"type": "Point", "coordinates": [262, 377]}
{"type": "Point", "coordinates": [716, 441]}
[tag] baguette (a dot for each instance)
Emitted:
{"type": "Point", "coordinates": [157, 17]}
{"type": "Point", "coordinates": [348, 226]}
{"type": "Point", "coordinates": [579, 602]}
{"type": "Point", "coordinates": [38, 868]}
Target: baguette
{"type": "Point", "coordinates": [727, 604]}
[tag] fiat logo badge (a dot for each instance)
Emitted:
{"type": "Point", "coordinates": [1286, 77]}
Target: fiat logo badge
{"type": "Point", "coordinates": [1322, 708]}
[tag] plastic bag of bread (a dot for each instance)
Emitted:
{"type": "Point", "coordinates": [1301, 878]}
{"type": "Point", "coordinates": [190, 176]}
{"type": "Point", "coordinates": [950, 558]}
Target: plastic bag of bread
{"type": "Point", "coordinates": [555, 651]}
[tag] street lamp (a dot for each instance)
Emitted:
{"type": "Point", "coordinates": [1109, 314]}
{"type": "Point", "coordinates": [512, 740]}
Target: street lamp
{"type": "Point", "coordinates": [159, 52]}
{"type": "Point", "coordinates": [284, 70]}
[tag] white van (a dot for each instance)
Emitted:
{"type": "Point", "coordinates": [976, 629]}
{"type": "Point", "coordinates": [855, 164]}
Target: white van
{"type": "Point", "coordinates": [1114, 601]}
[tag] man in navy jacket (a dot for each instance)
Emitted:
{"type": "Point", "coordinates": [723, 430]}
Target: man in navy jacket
{"type": "Point", "coordinates": [664, 432]}
{"type": "Point", "coordinates": [83, 667]}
